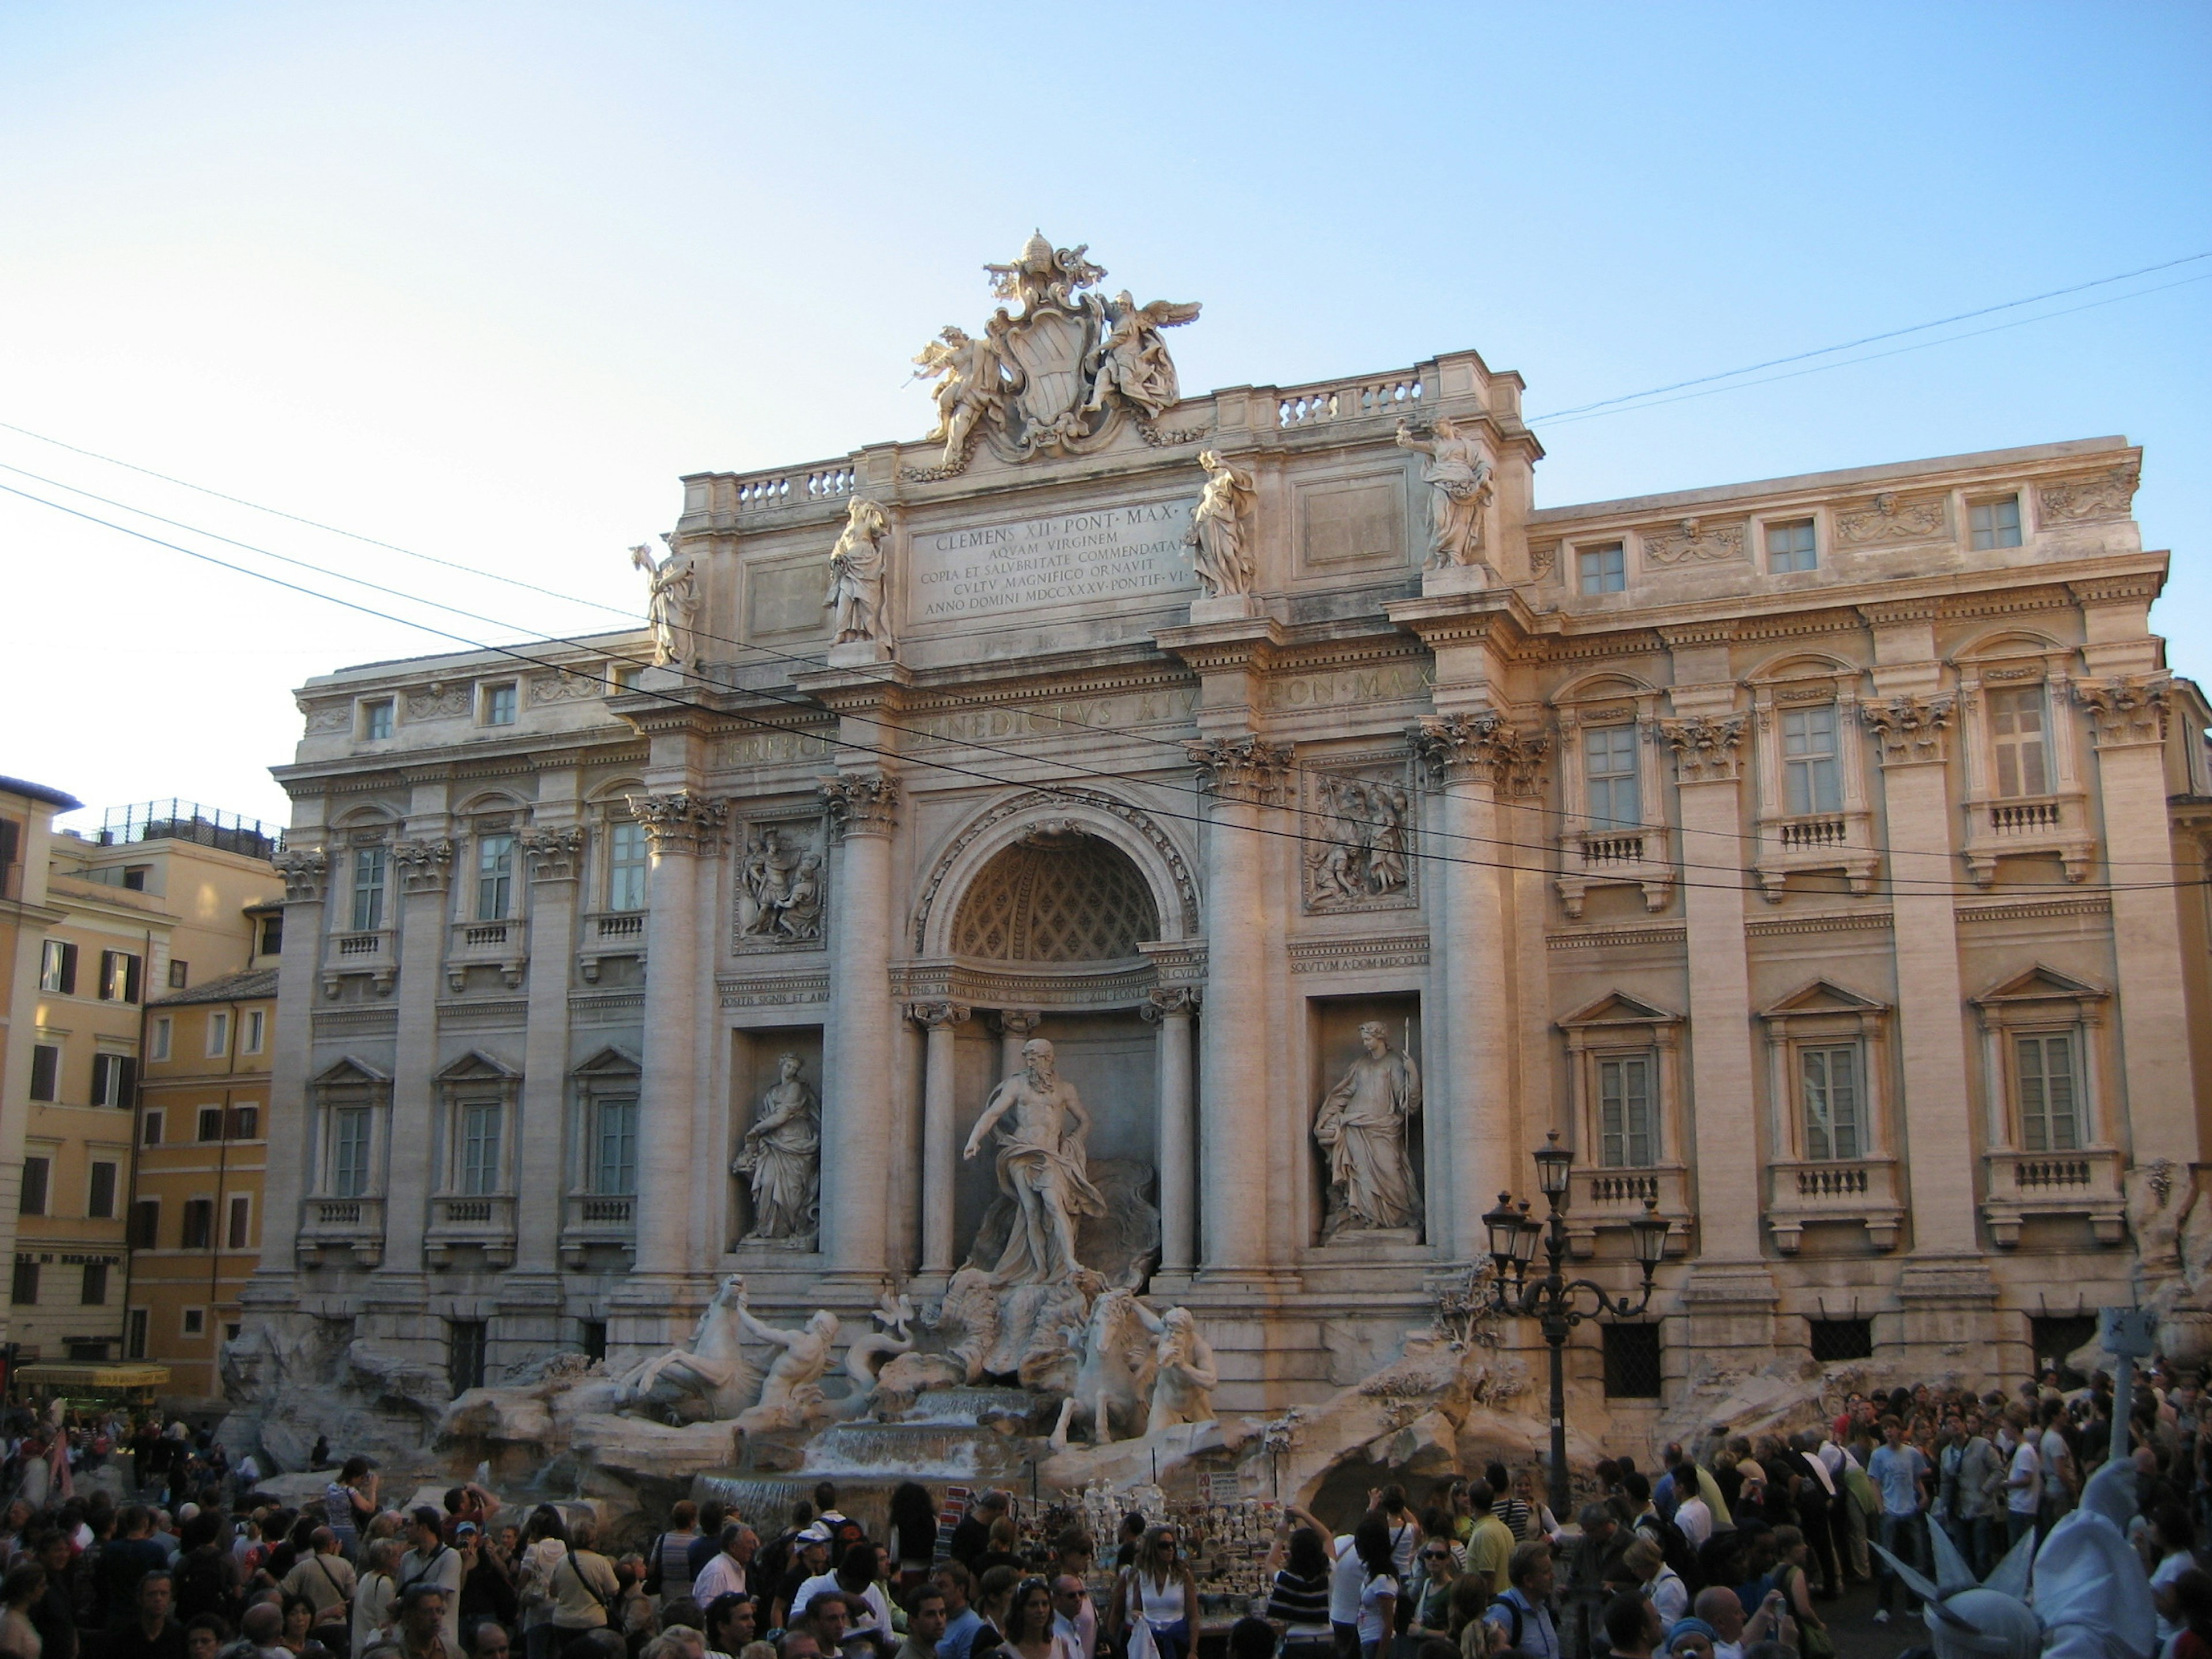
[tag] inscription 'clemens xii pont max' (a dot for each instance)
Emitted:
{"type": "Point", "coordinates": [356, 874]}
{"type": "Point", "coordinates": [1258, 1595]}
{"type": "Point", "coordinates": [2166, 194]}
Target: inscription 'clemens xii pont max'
{"type": "Point", "coordinates": [1070, 558]}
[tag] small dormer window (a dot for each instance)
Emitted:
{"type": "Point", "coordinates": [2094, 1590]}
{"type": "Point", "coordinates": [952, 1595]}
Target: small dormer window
{"type": "Point", "coordinates": [1994, 524]}
{"type": "Point", "coordinates": [376, 719]}
{"type": "Point", "coordinates": [1603, 570]}
{"type": "Point", "coordinates": [1789, 546]}
{"type": "Point", "coordinates": [499, 703]}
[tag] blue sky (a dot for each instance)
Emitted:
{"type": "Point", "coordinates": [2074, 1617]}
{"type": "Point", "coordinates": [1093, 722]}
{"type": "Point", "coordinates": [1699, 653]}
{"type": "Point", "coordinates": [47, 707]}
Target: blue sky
{"type": "Point", "coordinates": [482, 281]}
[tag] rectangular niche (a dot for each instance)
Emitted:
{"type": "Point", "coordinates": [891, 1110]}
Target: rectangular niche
{"type": "Point", "coordinates": [786, 598]}
{"type": "Point", "coordinates": [1335, 1047]}
{"type": "Point", "coordinates": [754, 1058]}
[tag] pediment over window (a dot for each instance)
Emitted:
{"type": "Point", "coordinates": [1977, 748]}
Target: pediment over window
{"type": "Point", "coordinates": [348, 1072]}
{"type": "Point", "coordinates": [1617, 1008]}
{"type": "Point", "coordinates": [611, 1061]}
{"type": "Point", "coordinates": [2041, 984]}
{"type": "Point", "coordinates": [1822, 997]}
{"type": "Point", "coordinates": [477, 1066]}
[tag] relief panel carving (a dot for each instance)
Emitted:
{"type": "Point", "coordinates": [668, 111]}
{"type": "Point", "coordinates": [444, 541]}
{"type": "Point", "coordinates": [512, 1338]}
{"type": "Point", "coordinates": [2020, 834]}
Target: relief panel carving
{"type": "Point", "coordinates": [2076, 500]}
{"type": "Point", "coordinates": [1892, 518]}
{"type": "Point", "coordinates": [1692, 541]}
{"type": "Point", "coordinates": [1358, 850]}
{"type": "Point", "coordinates": [778, 903]}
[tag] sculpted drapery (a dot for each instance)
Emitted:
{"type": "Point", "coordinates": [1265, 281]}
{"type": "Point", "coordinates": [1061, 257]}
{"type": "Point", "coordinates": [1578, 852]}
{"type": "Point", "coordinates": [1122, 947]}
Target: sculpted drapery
{"type": "Point", "coordinates": [1362, 1126]}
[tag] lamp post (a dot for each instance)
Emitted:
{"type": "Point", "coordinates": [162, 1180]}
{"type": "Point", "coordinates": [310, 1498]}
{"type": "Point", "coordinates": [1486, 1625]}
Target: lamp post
{"type": "Point", "coordinates": [1551, 1298]}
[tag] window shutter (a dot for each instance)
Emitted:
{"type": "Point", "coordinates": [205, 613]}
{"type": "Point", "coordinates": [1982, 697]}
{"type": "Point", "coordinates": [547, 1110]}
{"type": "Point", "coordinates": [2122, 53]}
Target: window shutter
{"type": "Point", "coordinates": [45, 1071]}
{"type": "Point", "coordinates": [106, 990]}
{"type": "Point", "coordinates": [133, 969]}
{"type": "Point", "coordinates": [126, 1081]}
{"type": "Point", "coordinates": [99, 1065]}
{"type": "Point", "coordinates": [68, 970]}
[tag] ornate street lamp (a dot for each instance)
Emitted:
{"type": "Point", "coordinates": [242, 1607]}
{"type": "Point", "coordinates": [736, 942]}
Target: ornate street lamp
{"type": "Point", "coordinates": [1551, 1298]}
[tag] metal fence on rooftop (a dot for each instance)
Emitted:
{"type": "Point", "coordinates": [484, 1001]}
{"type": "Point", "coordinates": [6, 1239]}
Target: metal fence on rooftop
{"type": "Point", "coordinates": [187, 820]}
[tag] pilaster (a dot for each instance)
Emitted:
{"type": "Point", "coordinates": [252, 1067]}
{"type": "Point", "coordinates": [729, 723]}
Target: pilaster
{"type": "Point", "coordinates": [425, 872]}
{"type": "Point", "coordinates": [2128, 715]}
{"type": "Point", "coordinates": [1169, 1008]}
{"type": "Point", "coordinates": [305, 871]}
{"type": "Point", "coordinates": [553, 852]}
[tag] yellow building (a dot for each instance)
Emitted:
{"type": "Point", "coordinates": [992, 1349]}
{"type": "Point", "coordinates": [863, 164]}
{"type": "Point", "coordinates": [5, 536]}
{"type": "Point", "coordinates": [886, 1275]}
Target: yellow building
{"type": "Point", "coordinates": [162, 897]}
{"type": "Point", "coordinates": [196, 1201]}
{"type": "Point", "coordinates": [27, 818]}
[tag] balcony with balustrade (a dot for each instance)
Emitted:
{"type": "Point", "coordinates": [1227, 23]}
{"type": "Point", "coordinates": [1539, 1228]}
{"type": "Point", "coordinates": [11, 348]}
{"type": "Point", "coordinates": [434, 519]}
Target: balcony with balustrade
{"type": "Point", "coordinates": [1607, 1199]}
{"type": "Point", "coordinates": [1805, 843]}
{"type": "Point", "coordinates": [606, 935]}
{"type": "Point", "coordinates": [2084, 1184]}
{"type": "Point", "coordinates": [333, 1230]}
{"type": "Point", "coordinates": [1616, 855]}
{"type": "Point", "coordinates": [2022, 825]}
{"type": "Point", "coordinates": [597, 1221]}
{"type": "Point", "coordinates": [503, 946]}
{"type": "Point", "coordinates": [471, 1221]}
{"type": "Point", "coordinates": [372, 953]}
{"type": "Point", "coordinates": [1860, 1192]}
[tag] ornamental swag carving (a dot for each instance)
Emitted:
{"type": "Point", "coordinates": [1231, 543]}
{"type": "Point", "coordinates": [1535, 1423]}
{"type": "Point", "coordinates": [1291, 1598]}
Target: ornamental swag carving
{"type": "Point", "coordinates": [1909, 729]}
{"type": "Point", "coordinates": [2075, 501]}
{"type": "Point", "coordinates": [1890, 518]}
{"type": "Point", "coordinates": [1692, 541]}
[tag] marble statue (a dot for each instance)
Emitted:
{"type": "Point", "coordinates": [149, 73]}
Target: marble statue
{"type": "Point", "coordinates": [1459, 490]}
{"type": "Point", "coordinates": [711, 1378]}
{"type": "Point", "coordinates": [1042, 1166]}
{"type": "Point", "coordinates": [791, 1393]}
{"type": "Point", "coordinates": [855, 599]}
{"type": "Point", "coordinates": [1362, 1126]}
{"type": "Point", "coordinates": [1185, 1376]}
{"type": "Point", "coordinates": [671, 601]}
{"type": "Point", "coordinates": [779, 890]}
{"type": "Point", "coordinates": [1114, 1371]}
{"type": "Point", "coordinates": [1218, 527]}
{"type": "Point", "coordinates": [1058, 376]}
{"type": "Point", "coordinates": [781, 1155]}
{"type": "Point", "coordinates": [1362, 852]}
{"type": "Point", "coordinates": [1132, 359]}
{"type": "Point", "coordinates": [971, 383]}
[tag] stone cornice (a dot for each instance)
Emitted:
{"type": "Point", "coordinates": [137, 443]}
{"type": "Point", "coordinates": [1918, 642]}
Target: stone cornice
{"type": "Point", "coordinates": [1211, 647]}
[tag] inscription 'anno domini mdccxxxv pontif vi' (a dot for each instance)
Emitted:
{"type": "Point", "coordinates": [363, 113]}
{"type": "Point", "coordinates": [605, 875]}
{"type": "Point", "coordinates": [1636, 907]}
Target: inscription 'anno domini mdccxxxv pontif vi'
{"type": "Point", "coordinates": [1069, 558]}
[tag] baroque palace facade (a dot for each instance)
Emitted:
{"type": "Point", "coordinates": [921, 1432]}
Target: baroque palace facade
{"type": "Point", "coordinates": [1820, 857]}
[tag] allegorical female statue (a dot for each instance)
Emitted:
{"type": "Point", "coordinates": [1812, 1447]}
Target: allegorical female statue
{"type": "Point", "coordinates": [1459, 489]}
{"type": "Point", "coordinates": [1218, 525]}
{"type": "Point", "coordinates": [1362, 1126]}
{"type": "Point", "coordinates": [671, 601]}
{"type": "Point", "coordinates": [855, 599]}
{"type": "Point", "coordinates": [782, 1156]}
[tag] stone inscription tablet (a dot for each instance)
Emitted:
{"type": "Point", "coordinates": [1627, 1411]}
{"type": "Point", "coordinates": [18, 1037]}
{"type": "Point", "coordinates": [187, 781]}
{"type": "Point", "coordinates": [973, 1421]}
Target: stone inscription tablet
{"type": "Point", "coordinates": [1088, 558]}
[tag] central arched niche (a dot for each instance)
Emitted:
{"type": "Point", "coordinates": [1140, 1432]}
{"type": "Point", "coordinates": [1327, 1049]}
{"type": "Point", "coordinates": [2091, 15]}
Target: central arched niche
{"type": "Point", "coordinates": [1055, 898]}
{"type": "Point", "coordinates": [1059, 901]}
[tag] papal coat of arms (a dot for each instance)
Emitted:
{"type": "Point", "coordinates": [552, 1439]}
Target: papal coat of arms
{"type": "Point", "coordinates": [1060, 377]}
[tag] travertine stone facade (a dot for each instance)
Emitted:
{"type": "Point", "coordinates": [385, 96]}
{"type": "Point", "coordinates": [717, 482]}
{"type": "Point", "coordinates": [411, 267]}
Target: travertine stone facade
{"type": "Point", "coordinates": [1806, 851]}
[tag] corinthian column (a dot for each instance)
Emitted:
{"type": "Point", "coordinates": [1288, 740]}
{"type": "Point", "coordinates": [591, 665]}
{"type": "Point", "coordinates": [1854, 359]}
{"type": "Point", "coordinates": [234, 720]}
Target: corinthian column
{"type": "Point", "coordinates": [1169, 1008]}
{"type": "Point", "coordinates": [1241, 775]}
{"type": "Point", "coordinates": [1469, 1128]}
{"type": "Point", "coordinates": [941, 1020]}
{"type": "Point", "coordinates": [305, 873]}
{"type": "Point", "coordinates": [425, 882]}
{"type": "Point", "coordinates": [555, 856]}
{"type": "Point", "coordinates": [1015, 1026]}
{"type": "Point", "coordinates": [683, 831]}
{"type": "Point", "coordinates": [857, 1069]}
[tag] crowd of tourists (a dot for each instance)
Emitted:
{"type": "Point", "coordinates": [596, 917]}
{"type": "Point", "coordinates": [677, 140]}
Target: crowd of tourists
{"type": "Point", "coordinates": [1726, 1551]}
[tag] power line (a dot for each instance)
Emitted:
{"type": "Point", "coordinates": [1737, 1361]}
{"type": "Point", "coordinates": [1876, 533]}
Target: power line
{"type": "Point", "coordinates": [1064, 791]}
{"type": "Point", "coordinates": [1872, 339]}
{"type": "Point", "coordinates": [808, 662]}
{"type": "Point", "coordinates": [807, 706]}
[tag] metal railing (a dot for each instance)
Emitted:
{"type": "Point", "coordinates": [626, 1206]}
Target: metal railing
{"type": "Point", "coordinates": [187, 820]}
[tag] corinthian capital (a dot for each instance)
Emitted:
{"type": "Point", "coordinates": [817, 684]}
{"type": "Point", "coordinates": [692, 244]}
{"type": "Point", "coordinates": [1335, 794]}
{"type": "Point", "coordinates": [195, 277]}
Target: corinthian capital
{"type": "Point", "coordinates": [1706, 751]}
{"type": "Point", "coordinates": [1165, 999]}
{"type": "Point", "coordinates": [2130, 709]}
{"type": "Point", "coordinates": [680, 821]}
{"type": "Point", "coordinates": [303, 874]}
{"type": "Point", "coordinates": [866, 803]}
{"type": "Point", "coordinates": [1486, 748]}
{"type": "Point", "coordinates": [553, 852]}
{"type": "Point", "coordinates": [424, 866]}
{"type": "Point", "coordinates": [930, 1016]}
{"type": "Point", "coordinates": [1247, 768]}
{"type": "Point", "coordinates": [1909, 730]}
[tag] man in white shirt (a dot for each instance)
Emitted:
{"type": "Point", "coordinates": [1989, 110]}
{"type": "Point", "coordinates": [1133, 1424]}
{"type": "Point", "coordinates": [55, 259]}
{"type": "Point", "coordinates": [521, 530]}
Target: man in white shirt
{"type": "Point", "coordinates": [730, 1571]}
{"type": "Point", "coordinates": [2057, 1460]}
{"type": "Point", "coordinates": [1695, 1517]}
{"type": "Point", "coordinates": [868, 1609]}
{"type": "Point", "coordinates": [1072, 1615]}
{"type": "Point", "coordinates": [2023, 1478]}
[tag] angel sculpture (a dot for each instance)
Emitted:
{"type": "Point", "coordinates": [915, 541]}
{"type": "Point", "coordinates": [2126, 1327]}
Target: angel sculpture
{"type": "Point", "coordinates": [970, 383]}
{"type": "Point", "coordinates": [1132, 360]}
{"type": "Point", "coordinates": [1218, 524]}
{"type": "Point", "coordinates": [671, 601]}
{"type": "Point", "coordinates": [855, 599]}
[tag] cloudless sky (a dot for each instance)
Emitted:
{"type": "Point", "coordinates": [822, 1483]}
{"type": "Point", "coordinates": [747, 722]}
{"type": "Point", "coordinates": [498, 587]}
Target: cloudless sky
{"type": "Point", "coordinates": [484, 279]}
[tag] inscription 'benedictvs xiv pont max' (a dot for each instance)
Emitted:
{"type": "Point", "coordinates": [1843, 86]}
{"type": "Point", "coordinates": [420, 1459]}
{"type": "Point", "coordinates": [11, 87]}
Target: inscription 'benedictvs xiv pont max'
{"type": "Point", "coordinates": [1266, 770]}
